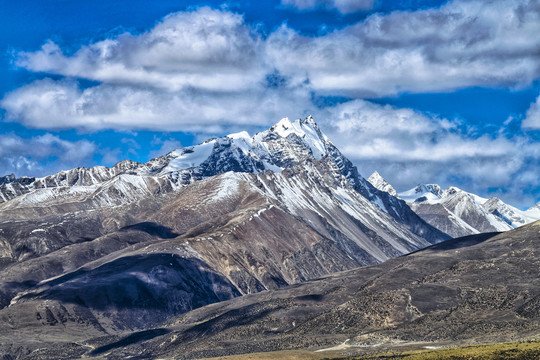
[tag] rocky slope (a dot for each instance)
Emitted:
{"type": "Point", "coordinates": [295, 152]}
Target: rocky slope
{"type": "Point", "coordinates": [480, 288]}
{"type": "Point", "coordinates": [457, 212]}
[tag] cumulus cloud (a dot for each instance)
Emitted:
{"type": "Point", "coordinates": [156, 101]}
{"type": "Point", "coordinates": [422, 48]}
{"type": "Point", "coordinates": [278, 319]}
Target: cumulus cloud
{"type": "Point", "coordinates": [49, 104]}
{"type": "Point", "coordinates": [343, 6]}
{"type": "Point", "coordinates": [207, 49]}
{"type": "Point", "coordinates": [409, 147]}
{"type": "Point", "coordinates": [24, 156]}
{"type": "Point", "coordinates": [461, 44]}
{"type": "Point", "coordinates": [404, 134]}
{"type": "Point", "coordinates": [532, 119]}
{"type": "Point", "coordinates": [210, 65]}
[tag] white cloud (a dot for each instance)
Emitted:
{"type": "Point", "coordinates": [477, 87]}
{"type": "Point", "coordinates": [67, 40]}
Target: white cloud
{"type": "Point", "coordinates": [408, 147]}
{"type": "Point", "coordinates": [24, 156]}
{"type": "Point", "coordinates": [49, 104]}
{"type": "Point", "coordinates": [205, 70]}
{"type": "Point", "coordinates": [532, 118]}
{"type": "Point", "coordinates": [364, 130]}
{"type": "Point", "coordinates": [343, 6]}
{"type": "Point", "coordinates": [206, 49]}
{"type": "Point", "coordinates": [461, 44]}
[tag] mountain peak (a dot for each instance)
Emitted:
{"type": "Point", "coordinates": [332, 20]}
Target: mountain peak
{"type": "Point", "coordinates": [430, 192]}
{"type": "Point", "coordinates": [380, 183]}
{"type": "Point", "coordinates": [534, 211]}
{"type": "Point", "coordinates": [305, 129]}
{"type": "Point", "coordinates": [284, 144]}
{"type": "Point", "coordinates": [492, 203]}
{"type": "Point", "coordinates": [309, 121]}
{"type": "Point", "coordinates": [239, 135]}
{"type": "Point", "coordinates": [452, 190]}
{"type": "Point", "coordinates": [537, 206]}
{"type": "Point", "coordinates": [284, 124]}
{"type": "Point", "coordinates": [460, 213]}
{"type": "Point", "coordinates": [7, 179]}
{"type": "Point", "coordinates": [375, 176]}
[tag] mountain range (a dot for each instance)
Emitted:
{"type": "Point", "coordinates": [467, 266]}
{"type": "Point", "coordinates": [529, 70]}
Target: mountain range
{"type": "Point", "coordinates": [457, 212]}
{"type": "Point", "coordinates": [91, 257]}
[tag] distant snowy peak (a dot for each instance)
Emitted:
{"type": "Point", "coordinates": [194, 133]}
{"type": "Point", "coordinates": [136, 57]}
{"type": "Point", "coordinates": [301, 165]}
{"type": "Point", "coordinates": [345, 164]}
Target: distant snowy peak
{"type": "Point", "coordinates": [380, 183]}
{"type": "Point", "coordinates": [434, 193]}
{"type": "Point", "coordinates": [534, 211]}
{"type": "Point", "coordinates": [422, 192]}
{"type": "Point", "coordinates": [514, 217]}
{"type": "Point", "coordinates": [460, 212]}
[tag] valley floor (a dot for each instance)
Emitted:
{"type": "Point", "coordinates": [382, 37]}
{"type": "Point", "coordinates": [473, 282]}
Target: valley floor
{"type": "Point", "coordinates": [518, 350]}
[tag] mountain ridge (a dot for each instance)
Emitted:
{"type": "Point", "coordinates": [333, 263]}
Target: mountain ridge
{"type": "Point", "coordinates": [283, 145]}
{"type": "Point", "coordinates": [458, 212]}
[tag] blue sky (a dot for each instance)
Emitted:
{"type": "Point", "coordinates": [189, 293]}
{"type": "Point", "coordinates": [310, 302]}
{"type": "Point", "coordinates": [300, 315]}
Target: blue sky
{"type": "Point", "coordinates": [422, 91]}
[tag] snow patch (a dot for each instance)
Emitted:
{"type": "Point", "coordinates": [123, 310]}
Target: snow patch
{"type": "Point", "coordinates": [190, 157]}
{"type": "Point", "coordinates": [421, 191]}
{"type": "Point", "coordinates": [228, 187]}
{"type": "Point", "coordinates": [303, 130]}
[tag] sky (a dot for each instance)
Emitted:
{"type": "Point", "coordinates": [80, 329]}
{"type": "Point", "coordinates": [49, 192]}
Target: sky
{"type": "Point", "coordinates": [443, 92]}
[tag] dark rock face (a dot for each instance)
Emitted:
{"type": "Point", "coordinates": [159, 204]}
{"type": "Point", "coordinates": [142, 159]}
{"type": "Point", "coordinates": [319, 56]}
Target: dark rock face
{"type": "Point", "coordinates": [7, 179]}
{"type": "Point", "coordinates": [226, 157]}
{"type": "Point", "coordinates": [396, 208]}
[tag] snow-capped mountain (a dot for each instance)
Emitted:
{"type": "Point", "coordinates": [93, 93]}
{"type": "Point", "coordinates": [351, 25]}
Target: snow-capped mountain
{"type": "Point", "coordinates": [286, 144]}
{"type": "Point", "coordinates": [380, 183]}
{"type": "Point", "coordinates": [511, 215]}
{"type": "Point", "coordinates": [533, 211]}
{"type": "Point", "coordinates": [423, 192]}
{"type": "Point", "coordinates": [460, 213]}
{"type": "Point", "coordinates": [99, 194]}
{"type": "Point", "coordinates": [231, 216]}
{"type": "Point", "coordinates": [128, 247]}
